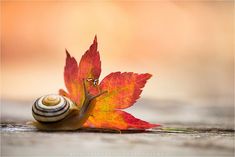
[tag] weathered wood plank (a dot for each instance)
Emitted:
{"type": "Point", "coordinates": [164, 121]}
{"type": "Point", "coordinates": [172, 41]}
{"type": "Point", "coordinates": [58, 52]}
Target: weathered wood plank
{"type": "Point", "coordinates": [206, 130]}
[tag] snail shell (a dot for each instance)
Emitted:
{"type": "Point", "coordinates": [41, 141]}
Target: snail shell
{"type": "Point", "coordinates": [51, 108]}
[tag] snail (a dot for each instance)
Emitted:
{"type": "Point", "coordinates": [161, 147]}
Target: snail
{"type": "Point", "coordinates": [56, 112]}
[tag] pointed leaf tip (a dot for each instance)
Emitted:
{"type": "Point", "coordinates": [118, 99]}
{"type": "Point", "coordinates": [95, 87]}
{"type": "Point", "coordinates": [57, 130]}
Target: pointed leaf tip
{"type": "Point", "coordinates": [67, 53]}
{"type": "Point", "coordinates": [95, 39]}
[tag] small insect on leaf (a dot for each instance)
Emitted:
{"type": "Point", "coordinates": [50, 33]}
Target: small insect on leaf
{"type": "Point", "coordinates": [117, 91]}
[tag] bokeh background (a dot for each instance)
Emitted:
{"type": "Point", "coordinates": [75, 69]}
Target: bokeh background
{"type": "Point", "coordinates": [186, 45]}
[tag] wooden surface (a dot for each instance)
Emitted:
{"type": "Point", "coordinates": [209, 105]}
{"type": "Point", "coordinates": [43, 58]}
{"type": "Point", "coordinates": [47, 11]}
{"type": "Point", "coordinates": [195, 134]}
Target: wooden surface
{"type": "Point", "coordinates": [188, 129]}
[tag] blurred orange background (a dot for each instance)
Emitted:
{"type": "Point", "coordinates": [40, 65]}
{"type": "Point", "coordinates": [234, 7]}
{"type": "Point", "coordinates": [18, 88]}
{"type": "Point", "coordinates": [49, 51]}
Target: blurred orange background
{"type": "Point", "coordinates": [187, 46]}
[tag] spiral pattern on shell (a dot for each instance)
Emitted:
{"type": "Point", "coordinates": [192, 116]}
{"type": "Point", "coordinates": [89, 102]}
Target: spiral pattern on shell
{"type": "Point", "coordinates": [51, 108]}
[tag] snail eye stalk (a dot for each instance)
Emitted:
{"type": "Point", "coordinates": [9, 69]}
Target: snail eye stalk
{"type": "Point", "coordinates": [84, 113]}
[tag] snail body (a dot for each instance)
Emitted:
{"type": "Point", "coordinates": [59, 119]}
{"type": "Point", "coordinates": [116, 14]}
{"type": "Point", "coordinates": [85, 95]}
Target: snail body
{"type": "Point", "coordinates": [55, 112]}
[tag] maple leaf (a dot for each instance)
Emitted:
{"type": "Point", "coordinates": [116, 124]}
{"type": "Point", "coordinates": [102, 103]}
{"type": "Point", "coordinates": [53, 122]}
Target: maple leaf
{"type": "Point", "coordinates": [123, 89]}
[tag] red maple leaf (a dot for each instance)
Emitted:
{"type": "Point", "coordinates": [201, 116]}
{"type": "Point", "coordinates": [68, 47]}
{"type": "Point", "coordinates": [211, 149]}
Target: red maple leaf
{"type": "Point", "coordinates": [123, 89]}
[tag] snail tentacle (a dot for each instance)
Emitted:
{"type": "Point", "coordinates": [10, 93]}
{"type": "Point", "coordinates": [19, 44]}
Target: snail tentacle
{"type": "Point", "coordinates": [87, 105]}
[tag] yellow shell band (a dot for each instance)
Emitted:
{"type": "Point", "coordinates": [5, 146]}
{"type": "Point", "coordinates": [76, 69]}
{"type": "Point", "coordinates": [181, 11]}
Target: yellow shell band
{"type": "Point", "coordinates": [51, 100]}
